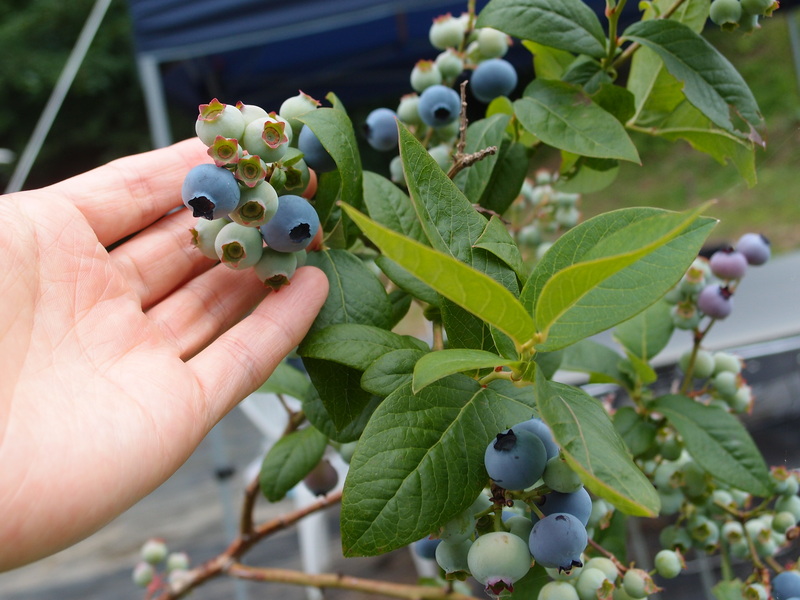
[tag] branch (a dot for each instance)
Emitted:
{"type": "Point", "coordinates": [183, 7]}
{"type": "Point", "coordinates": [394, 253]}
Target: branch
{"type": "Point", "coordinates": [344, 582]}
{"type": "Point", "coordinates": [460, 160]}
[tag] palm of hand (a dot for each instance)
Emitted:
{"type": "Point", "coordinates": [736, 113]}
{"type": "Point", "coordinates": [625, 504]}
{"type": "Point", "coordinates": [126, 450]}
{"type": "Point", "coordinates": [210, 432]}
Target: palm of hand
{"type": "Point", "coordinates": [116, 364]}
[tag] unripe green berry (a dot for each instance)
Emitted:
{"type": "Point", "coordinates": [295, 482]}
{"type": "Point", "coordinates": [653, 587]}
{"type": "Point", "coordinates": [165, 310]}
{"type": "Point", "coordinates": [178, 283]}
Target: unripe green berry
{"type": "Point", "coordinates": [450, 63]}
{"type": "Point", "coordinates": [492, 43]}
{"type": "Point", "coordinates": [154, 551]}
{"type": "Point", "coordinates": [703, 363]}
{"type": "Point", "coordinates": [726, 384]}
{"type": "Point", "coordinates": [606, 565]}
{"type": "Point", "coordinates": [725, 361]}
{"type": "Point", "coordinates": [789, 504]}
{"type": "Point", "coordinates": [589, 582]}
{"type": "Point", "coordinates": [725, 13]}
{"type": "Point", "coordinates": [558, 590]}
{"type": "Point", "coordinates": [257, 205]}
{"type": "Point", "coordinates": [239, 247]}
{"type": "Point", "coordinates": [424, 75]}
{"type": "Point", "coordinates": [459, 528]}
{"type": "Point", "coordinates": [452, 556]}
{"type": "Point", "coordinates": [638, 583]}
{"type": "Point", "coordinates": [446, 31]}
{"type": "Point", "coordinates": [204, 233]}
{"type": "Point", "coordinates": [295, 107]}
{"type": "Point", "coordinates": [560, 477]}
{"type": "Point", "coordinates": [755, 591]}
{"type": "Point", "coordinates": [177, 560]}
{"type": "Point", "coordinates": [668, 563]}
{"type": "Point", "coordinates": [143, 574]}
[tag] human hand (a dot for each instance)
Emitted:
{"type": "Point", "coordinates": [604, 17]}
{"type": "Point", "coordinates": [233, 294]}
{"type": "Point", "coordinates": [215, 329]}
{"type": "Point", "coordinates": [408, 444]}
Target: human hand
{"type": "Point", "coordinates": [116, 364]}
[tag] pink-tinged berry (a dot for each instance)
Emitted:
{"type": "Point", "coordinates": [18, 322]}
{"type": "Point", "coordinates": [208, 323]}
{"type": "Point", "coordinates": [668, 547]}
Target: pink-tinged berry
{"type": "Point", "coordinates": [215, 119]}
{"type": "Point", "coordinates": [225, 151]}
{"type": "Point", "coordinates": [755, 247]}
{"type": "Point", "coordinates": [267, 137]}
{"type": "Point", "coordinates": [715, 301]}
{"type": "Point", "coordinates": [250, 170]}
{"type": "Point", "coordinates": [728, 264]}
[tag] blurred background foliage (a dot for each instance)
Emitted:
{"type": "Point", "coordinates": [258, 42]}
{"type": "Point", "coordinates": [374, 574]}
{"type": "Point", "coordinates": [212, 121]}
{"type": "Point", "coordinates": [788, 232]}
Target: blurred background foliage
{"type": "Point", "coordinates": [103, 117]}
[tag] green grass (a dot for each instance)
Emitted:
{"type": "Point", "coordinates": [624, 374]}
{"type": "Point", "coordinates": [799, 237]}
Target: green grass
{"type": "Point", "coordinates": [674, 176]}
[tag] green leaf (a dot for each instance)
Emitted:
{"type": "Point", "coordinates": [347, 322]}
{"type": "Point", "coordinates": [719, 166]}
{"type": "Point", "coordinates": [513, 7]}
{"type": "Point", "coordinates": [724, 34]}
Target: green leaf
{"type": "Point", "coordinates": [339, 389]}
{"type": "Point", "coordinates": [638, 432]}
{"type": "Point", "coordinates": [549, 63]}
{"type": "Point", "coordinates": [497, 240]}
{"type": "Point", "coordinates": [587, 176]}
{"type": "Point", "coordinates": [354, 345]}
{"type": "Point", "coordinates": [648, 333]}
{"type": "Point", "coordinates": [599, 361]}
{"type": "Point", "coordinates": [729, 590]}
{"type": "Point", "coordinates": [437, 365]}
{"type": "Point", "coordinates": [390, 372]}
{"type": "Point", "coordinates": [718, 442]}
{"type": "Point", "coordinates": [710, 82]}
{"type": "Point", "coordinates": [388, 205]}
{"type": "Point", "coordinates": [467, 287]}
{"type": "Point", "coordinates": [407, 282]}
{"type": "Point", "coordinates": [587, 73]}
{"type": "Point", "coordinates": [289, 381]}
{"type": "Point", "coordinates": [355, 294]}
{"type": "Point", "coordinates": [480, 135]}
{"type": "Point", "coordinates": [566, 25]}
{"type": "Point", "coordinates": [420, 461]}
{"type": "Point", "coordinates": [688, 123]}
{"type": "Point", "coordinates": [335, 132]}
{"type": "Point", "coordinates": [565, 117]}
{"type": "Point", "coordinates": [622, 261]}
{"type": "Point", "coordinates": [616, 100]}
{"type": "Point", "coordinates": [320, 418]}
{"type": "Point", "coordinates": [289, 461]}
{"type": "Point", "coordinates": [594, 449]}
{"type": "Point", "coordinates": [401, 303]}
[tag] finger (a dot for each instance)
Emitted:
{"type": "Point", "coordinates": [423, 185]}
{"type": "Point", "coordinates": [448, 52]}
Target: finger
{"type": "Point", "coordinates": [161, 258]}
{"type": "Point", "coordinates": [241, 359]}
{"type": "Point", "coordinates": [206, 306]}
{"type": "Point", "coordinates": [130, 193]}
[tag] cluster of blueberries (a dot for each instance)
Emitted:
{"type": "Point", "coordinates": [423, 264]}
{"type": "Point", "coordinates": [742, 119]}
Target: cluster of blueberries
{"type": "Point", "coordinates": [742, 15]}
{"type": "Point", "coordinates": [432, 109]}
{"type": "Point", "coordinates": [708, 286]}
{"type": "Point", "coordinates": [157, 565]}
{"type": "Point", "coordinates": [252, 203]}
{"type": "Point", "coordinates": [548, 525]}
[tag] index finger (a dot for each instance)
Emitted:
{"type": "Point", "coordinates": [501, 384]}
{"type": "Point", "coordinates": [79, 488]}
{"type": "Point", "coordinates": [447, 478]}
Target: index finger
{"type": "Point", "coordinates": [130, 193]}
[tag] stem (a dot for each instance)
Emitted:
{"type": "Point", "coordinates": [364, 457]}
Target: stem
{"type": "Point", "coordinates": [613, 15]}
{"type": "Point", "coordinates": [438, 336]}
{"type": "Point", "coordinates": [699, 336]}
{"type": "Point", "coordinates": [620, 567]}
{"type": "Point", "coordinates": [246, 520]}
{"type": "Point", "coordinates": [344, 582]}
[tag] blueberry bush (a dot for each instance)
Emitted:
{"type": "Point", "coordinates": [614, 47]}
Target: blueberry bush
{"type": "Point", "coordinates": [465, 445]}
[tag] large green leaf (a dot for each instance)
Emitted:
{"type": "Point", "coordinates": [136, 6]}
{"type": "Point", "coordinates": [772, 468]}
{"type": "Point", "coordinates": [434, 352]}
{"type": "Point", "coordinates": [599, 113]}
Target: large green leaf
{"type": "Point", "coordinates": [438, 365]}
{"type": "Point", "coordinates": [320, 418]}
{"type": "Point", "coordinates": [355, 294]}
{"type": "Point", "coordinates": [710, 82]}
{"type": "Point", "coordinates": [407, 282]}
{"type": "Point", "coordinates": [572, 306]}
{"type": "Point", "coordinates": [289, 461]}
{"type": "Point", "coordinates": [718, 442]}
{"type": "Point", "coordinates": [355, 345]}
{"type": "Point", "coordinates": [565, 117]}
{"type": "Point", "coordinates": [513, 162]}
{"type": "Point", "coordinates": [568, 25]}
{"type": "Point", "coordinates": [467, 287]}
{"type": "Point", "coordinates": [388, 205]}
{"type": "Point", "coordinates": [568, 310]}
{"type": "Point", "coordinates": [420, 461]}
{"type": "Point", "coordinates": [594, 449]}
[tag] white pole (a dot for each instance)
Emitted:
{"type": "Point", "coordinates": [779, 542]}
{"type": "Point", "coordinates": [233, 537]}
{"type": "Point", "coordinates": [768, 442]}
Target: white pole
{"type": "Point", "coordinates": [57, 96]}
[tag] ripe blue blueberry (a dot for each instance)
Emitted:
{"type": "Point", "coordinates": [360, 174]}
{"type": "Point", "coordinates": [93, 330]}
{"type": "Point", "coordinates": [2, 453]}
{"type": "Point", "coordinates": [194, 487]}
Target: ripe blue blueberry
{"type": "Point", "coordinates": [426, 547]}
{"type": "Point", "coordinates": [786, 585]}
{"type": "Point", "coordinates": [755, 247]}
{"type": "Point", "coordinates": [715, 301]}
{"type": "Point", "coordinates": [294, 225]}
{"type": "Point", "coordinates": [540, 429]}
{"type": "Point", "coordinates": [498, 560]}
{"type": "Point", "coordinates": [492, 78]}
{"type": "Point", "coordinates": [578, 504]}
{"type": "Point", "coordinates": [380, 129]}
{"type": "Point", "coordinates": [314, 153]}
{"type": "Point", "coordinates": [439, 105]}
{"type": "Point", "coordinates": [558, 540]}
{"type": "Point", "coordinates": [210, 192]}
{"type": "Point", "coordinates": [515, 460]}
{"type": "Point", "coordinates": [728, 264]}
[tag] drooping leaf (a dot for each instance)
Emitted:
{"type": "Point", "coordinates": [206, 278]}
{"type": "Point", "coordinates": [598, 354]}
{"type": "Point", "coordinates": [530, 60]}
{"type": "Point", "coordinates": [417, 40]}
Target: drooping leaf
{"type": "Point", "coordinates": [289, 461]}
{"type": "Point", "coordinates": [568, 25]}
{"type": "Point", "coordinates": [718, 442]}
{"type": "Point", "coordinates": [497, 240]}
{"type": "Point", "coordinates": [438, 365]}
{"type": "Point", "coordinates": [710, 82]}
{"type": "Point", "coordinates": [467, 287]}
{"type": "Point", "coordinates": [594, 449]}
{"type": "Point", "coordinates": [339, 390]}
{"type": "Point", "coordinates": [420, 461]}
{"type": "Point", "coordinates": [565, 117]}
